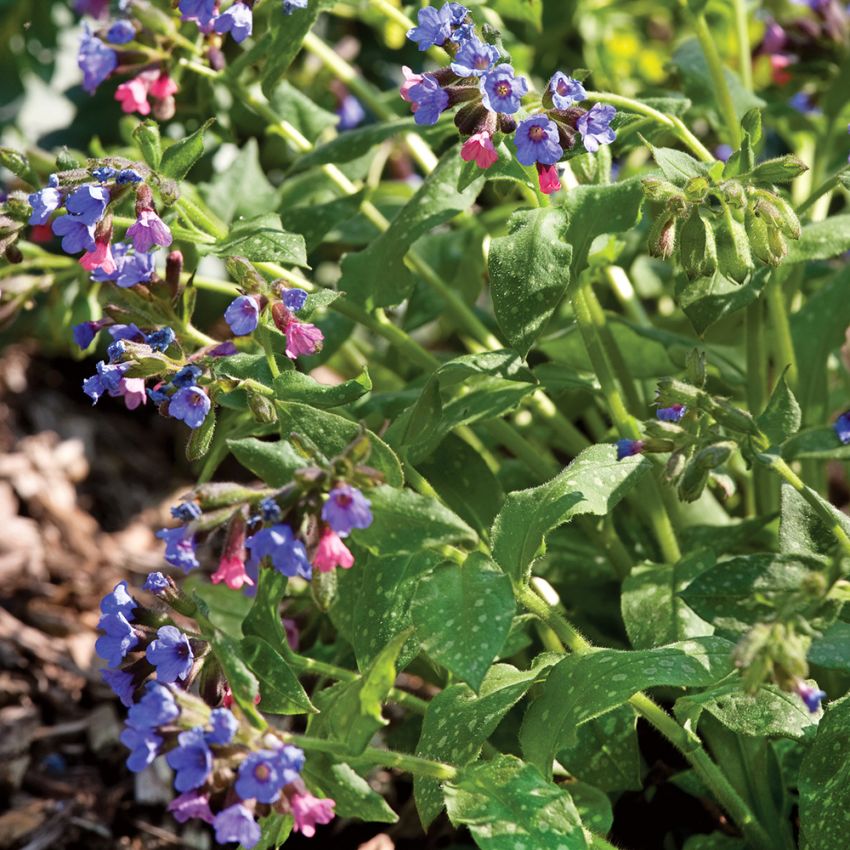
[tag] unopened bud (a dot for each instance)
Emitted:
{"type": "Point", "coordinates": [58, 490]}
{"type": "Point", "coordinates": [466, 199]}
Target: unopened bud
{"type": "Point", "coordinates": [262, 409]}
{"type": "Point", "coordinates": [697, 246]}
{"type": "Point", "coordinates": [173, 270]}
{"type": "Point", "coordinates": [671, 391]}
{"type": "Point", "coordinates": [783, 169]}
{"type": "Point", "coordinates": [695, 365]}
{"type": "Point", "coordinates": [734, 258]}
{"type": "Point", "coordinates": [729, 416]}
{"type": "Point", "coordinates": [714, 455]}
{"type": "Point", "coordinates": [656, 189]}
{"type": "Point", "coordinates": [692, 482]}
{"type": "Point", "coordinates": [662, 237]}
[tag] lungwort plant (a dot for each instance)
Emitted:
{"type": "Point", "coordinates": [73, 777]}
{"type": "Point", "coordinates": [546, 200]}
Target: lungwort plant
{"type": "Point", "coordinates": [531, 371]}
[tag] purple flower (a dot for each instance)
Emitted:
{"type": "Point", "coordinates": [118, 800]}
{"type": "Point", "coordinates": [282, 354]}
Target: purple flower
{"type": "Point", "coordinates": [435, 27]}
{"type": "Point", "coordinates": [674, 413]}
{"type": "Point", "coordinates": [187, 376]}
{"type": "Point", "coordinates": [128, 175]}
{"type": "Point", "coordinates": [811, 695]}
{"type": "Point", "coordinates": [160, 339]}
{"type": "Point", "coordinates": [200, 11]}
{"type": "Point", "coordinates": [236, 823]}
{"type": "Point", "coordinates": [259, 777]}
{"type": "Point", "coordinates": [294, 299]}
{"type": "Point", "coordinates": [156, 708]}
{"type": "Point", "coordinates": [85, 332]}
{"type": "Point", "coordinates": [278, 543]}
{"type": "Point", "coordinates": [628, 448]}
{"type": "Point", "coordinates": [243, 315]}
{"type": "Point", "coordinates": [270, 510]}
{"type": "Point", "coordinates": [155, 583]}
{"type": "Point", "coordinates": [224, 726]}
{"type": "Point", "coordinates": [192, 804]}
{"type": "Point", "coordinates": [594, 126]}
{"type": "Point", "coordinates": [350, 113]}
{"type": "Point", "coordinates": [121, 683]}
{"type": "Point", "coordinates": [289, 6]}
{"type": "Point", "coordinates": [103, 173]}
{"type": "Point", "coordinates": [179, 548]}
{"type": "Point", "coordinates": [238, 20]}
{"type": "Point", "coordinates": [76, 234]}
{"type": "Point", "coordinates": [186, 511]}
{"type": "Point", "coordinates": [44, 203]}
{"type": "Point", "coordinates": [502, 91]}
{"type": "Point", "coordinates": [193, 760]}
{"type": "Point", "coordinates": [290, 761]}
{"type": "Point", "coordinates": [842, 428]}
{"type": "Point", "coordinates": [88, 203]}
{"type": "Point", "coordinates": [565, 90]}
{"type": "Point", "coordinates": [118, 638]}
{"type": "Point", "coordinates": [121, 32]}
{"type": "Point", "coordinates": [223, 349]}
{"type": "Point", "coordinates": [95, 8]}
{"type": "Point", "coordinates": [537, 141]}
{"type": "Point", "coordinates": [129, 332]}
{"type": "Point", "coordinates": [149, 230]}
{"type": "Point", "coordinates": [116, 350]}
{"type": "Point", "coordinates": [95, 60]}
{"type": "Point", "coordinates": [723, 152]}
{"type": "Point", "coordinates": [457, 13]}
{"type": "Point", "coordinates": [474, 58]}
{"type": "Point", "coordinates": [428, 98]}
{"type": "Point", "coordinates": [143, 744]}
{"type": "Point", "coordinates": [171, 654]}
{"type": "Point", "coordinates": [345, 509]}
{"type": "Point", "coordinates": [190, 405]}
{"type": "Point", "coordinates": [106, 380]}
{"type": "Point", "coordinates": [133, 268]}
{"type": "Point", "coordinates": [804, 103]}
{"type": "Point", "coordinates": [119, 601]}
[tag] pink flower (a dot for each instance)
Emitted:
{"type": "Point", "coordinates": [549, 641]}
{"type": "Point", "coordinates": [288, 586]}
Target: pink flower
{"type": "Point", "coordinates": [309, 810]}
{"type": "Point", "coordinates": [779, 62]}
{"type": "Point", "coordinates": [133, 95]}
{"type": "Point", "coordinates": [331, 552]}
{"type": "Point", "coordinates": [410, 80]}
{"type": "Point", "coordinates": [302, 338]}
{"type": "Point", "coordinates": [548, 176]}
{"type": "Point", "coordinates": [292, 634]}
{"type": "Point", "coordinates": [479, 148]}
{"type": "Point", "coordinates": [149, 230]}
{"type": "Point", "coordinates": [133, 390]}
{"type": "Point", "coordinates": [231, 571]}
{"type": "Point", "coordinates": [163, 86]}
{"type": "Point", "coordinates": [100, 258]}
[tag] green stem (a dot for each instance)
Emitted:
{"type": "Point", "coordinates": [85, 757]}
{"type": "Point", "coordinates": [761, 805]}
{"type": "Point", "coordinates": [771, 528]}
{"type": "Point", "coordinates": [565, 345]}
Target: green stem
{"type": "Point", "coordinates": [745, 62]}
{"type": "Point", "coordinates": [827, 186]}
{"type": "Point", "coordinates": [780, 329]}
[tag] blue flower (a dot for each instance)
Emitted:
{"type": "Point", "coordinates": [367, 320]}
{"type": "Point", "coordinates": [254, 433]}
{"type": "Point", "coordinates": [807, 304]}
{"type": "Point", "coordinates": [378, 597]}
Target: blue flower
{"type": "Point", "coordinates": [429, 100]}
{"type": "Point", "coordinates": [187, 376]}
{"type": "Point", "coordinates": [236, 823]}
{"type": "Point", "coordinates": [270, 510]}
{"type": "Point", "coordinates": [259, 777]}
{"type": "Point", "coordinates": [103, 173]}
{"type": "Point", "coordinates": [842, 428]}
{"type": "Point", "coordinates": [804, 103]}
{"type": "Point", "coordinates": [674, 413]}
{"type": "Point", "coordinates": [156, 708]}
{"type": "Point", "coordinates": [193, 760]}
{"type": "Point", "coordinates": [812, 696]}
{"type": "Point", "coordinates": [565, 90]}
{"type": "Point", "coordinates": [119, 601]}
{"type": "Point", "coordinates": [350, 113]}
{"type": "Point", "coordinates": [143, 744]}
{"type": "Point", "coordinates": [290, 761]}
{"type": "Point", "coordinates": [128, 175]}
{"type": "Point", "coordinates": [44, 203]}
{"type": "Point", "coordinates": [76, 234]}
{"type": "Point", "coordinates": [628, 448]}
{"type": "Point", "coordinates": [130, 268]}
{"type": "Point", "coordinates": [200, 11]}
{"type": "Point", "coordinates": [594, 126]}
{"type": "Point", "coordinates": [121, 32]}
{"type": "Point", "coordinates": [158, 396]}
{"type": "Point", "coordinates": [294, 299]}
{"type": "Point", "coordinates": [171, 654]}
{"type": "Point", "coordinates": [278, 543]}
{"type": "Point", "coordinates": [289, 6]}
{"type": "Point", "coordinates": [186, 511]}
{"type": "Point", "coordinates": [435, 27]}
{"type": "Point", "coordinates": [160, 339]}
{"type": "Point", "coordinates": [106, 380]}
{"type": "Point", "coordinates": [190, 405]}
{"type": "Point", "coordinates": [156, 583]}
{"type": "Point", "coordinates": [346, 508]}
{"type": "Point", "coordinates": [238, 20]}
{"type": "Point", "coordinates": [224, 726]}
{"type": "Point", "coordinates": [129, 332]}
{"type": "Point", "coordinates": [117, 640]}
{"type": "Point", "coordinates": [121, 683]}
{"type": "Point", "coordinates": [537, 140]}
{"type": "Point", "coordinates": [85, 332]}
{"type": "Point", "coordinates": [502, 91]}
{"type": "Point", "coordinates": [462, 33]}
{"type": "Point", "coordinates": [457, 13]}
{"type": "Point", "coordinates": [474, 58]}
{"type": "Point", "coordinates": [243, 315]}
{"type": "Point", "coordinates": [115, 350]}
{"type": "Point", "coordinates": [179, 548]}
{"type": "Point", "coordinates": [95, 60]}
{"type": "Point", "coordinates": [88, 203]}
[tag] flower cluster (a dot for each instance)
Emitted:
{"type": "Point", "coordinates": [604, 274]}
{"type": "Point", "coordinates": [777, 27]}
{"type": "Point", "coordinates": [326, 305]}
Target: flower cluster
{"type": "Point", "coordinates": [225, 772]}
{"type": "Point", "coordinates": [492, 96]}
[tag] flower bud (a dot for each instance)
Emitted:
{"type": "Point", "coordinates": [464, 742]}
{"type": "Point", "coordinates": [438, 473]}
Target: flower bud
{"type": "Point", "coordinates": [714, 455]}
{"type": "Point", "coordinates": [695, 365]}
{"type": "Point", "coordinates": [692, 482]}
{"type": "Point", "coordinates": [697, 246]}
{"type": "Point", "coordinates": [148, 139]}
{"type": "Point", "coordinates": [471, 117]}
{"type": "Point", "coordinates": [13, 254]}
{"type": "Point", "coordinates": [729, 416]}
{"type": "Point", "coordinates": [262, 408]}
{"type": "Point", "coordinates": [323, 587]}
{"type": "Point", "coordinates": [675, 466]}
{"type": "Point", "coordinates": [734, 194]}
{"type": "Point", "coordinates": [656, 189]}
{"type": "Point", "coordinates": [696, 189]}
{"type": "Point", "coordinates": [734, 258]}
{"type": "Point", "coordinates": [173, 270]}
{"type": "Point", "coordinates": [783, 169]}
{"type": "Point", "coordinates": [670, 391]}
{"type": "Point", "coordinates": [662, 237]}
{"type": "Point", "coordinates": [723, 484]}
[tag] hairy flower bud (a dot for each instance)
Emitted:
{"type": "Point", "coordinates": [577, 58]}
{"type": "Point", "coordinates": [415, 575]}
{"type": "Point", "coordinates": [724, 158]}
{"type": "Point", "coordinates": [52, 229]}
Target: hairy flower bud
{"type": "Point", "coordinates": [697, 246]}
{"type": "Point", "coordinates": [656, 189]}
{"type": "Point", "coordinates": [734, 258]}
{"type": "Point", "coordinates": [783, 169]}
{"type": "Point", "coordinates": [692, 482]}
{"type": "Point", "coordinates": [714, 455]}
{"type": "Point", "coordinates": [662, 237]}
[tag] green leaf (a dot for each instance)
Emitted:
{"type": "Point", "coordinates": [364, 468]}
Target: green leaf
{"type": "Point", "coordinates": [274, 463]}
{"type": "Point", "coordinates": [352, 794]}
{"type": "Point", "coordinates": [508, 804]}
{"type": "Point", "coordinates": [706, 300]}
{"type": "Point", "coordinates": [458, 723]}
{"type": "Point", "coordinates": [264, 620]}
{"type": "Point", "coordinates": [296, 386]}
{"type": "Point", "coordinates": [653, 612]}
{"type": "Point", "coordinates": [605, 752]}
{"type": "Point", "coordinates": [816, 443]}
{"type": "Point", "coordinates": [462, 615]}
{"type": "Point", "coordinates": [275, 829]}
{"type": "Point", "coordinates": [280, 690]}
{"type": "Point", "coordinates": [436, 202]}
{"type": "Point", "coordinates": [593, 806]}
{"type": "Point", "coordinates": [262, 239]}
{"type": "Point", "coordinates": [243, 683]}
{"type": "Point", "coordinates": [406, 522]}
{"type": "Point", "coordinates": [179, 158]}
{"type": "Point", "coordinates": [527, 11]}
{"type": "Point", "coordinates": [832, 649]}
{"type": "Point", "coordinates": [714, 841]}
{"type": "Point", "coordinates": [821, 240]}
{"type": "Point", "coordinates": [529, 274]}
{"type": "Point", "coordinates": [291, 104]}
{"type": "Point", "coordinates": [592, 484]}
{"type": "Point", "coordinates": [315, 221]}
{"type": "Point", "coordinates": [825, 781]}
{"type": "Point", "coordinates": [782, 416]}
{"type": "Point", "coordinates": [200, 438]}
{"type": "Point", "coordinates": [373, 603]}
{"type": "Point", "coordinates": [677, 166]}
{"type": "Point", "coordinates": [770, 712]}
{"type": "Point", "coordinates": [802, 531]}
{"type": "Point", "coordinates": [226, 608]}
{"type": "Point", "coordinates": [288, 32]}
{"type": "Point", "coordinates": [583, 687]}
